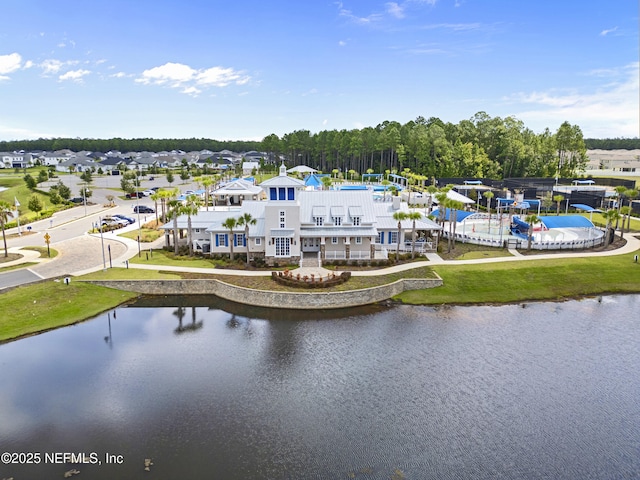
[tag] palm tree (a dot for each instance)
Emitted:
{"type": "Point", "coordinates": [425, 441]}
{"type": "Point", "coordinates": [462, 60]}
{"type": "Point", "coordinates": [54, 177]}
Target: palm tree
{"type": "Point", "coordinates": [399, 216]}
{"type": "Point", "coordinates": [326, 183]}
{"type": "Point", "coordinates": [5, 211]}
{"type": "Point", "coordinates": [175, 210]}
{"type": "Point", "coordinates": [431, 190]}
{"type": "Point", "coordinates": [531, 219]}
{"type": "Point", "coordinates": [230, 223]}
{"type": "Point", "coordinates": [385, 184]}
{"type": "Point", "coordinates": [245, 220]}
{"type": "Point", "coordinates": [191, 207]}
{"type": "Point", "coordinates": [455, 206]}
{"type": "Point", "coordinates": [620, 192]}
{"type": "Point", "coordinates": [631, 194]}
{"type": "Point", "coordinates": [206, 181]}
{"type": "Point", "coordinates": [558, 199]}
{"type": "Point", "coordinates": [155, 197]}
{"type": "Point", "coordinates": [610, 216]}
{"type": "Point", "coordinates": [489, 195]}
{"type": "Point", "coordinates": [413, 216]}
{"type": "Point", "coordinates": [626, 210]}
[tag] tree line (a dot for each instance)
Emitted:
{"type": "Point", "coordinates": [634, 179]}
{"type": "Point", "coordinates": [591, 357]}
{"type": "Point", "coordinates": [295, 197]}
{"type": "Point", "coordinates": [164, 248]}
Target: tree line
{"type": "Point", "coordinates": [480, 147]}
{"type": "Point", "coordinates": [128, 145]}
{"type": "Point", "coordinates": [612, 143]}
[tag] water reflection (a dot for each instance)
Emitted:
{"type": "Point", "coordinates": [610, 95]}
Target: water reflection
{"type": "Point", "coordinates": [545, 391]}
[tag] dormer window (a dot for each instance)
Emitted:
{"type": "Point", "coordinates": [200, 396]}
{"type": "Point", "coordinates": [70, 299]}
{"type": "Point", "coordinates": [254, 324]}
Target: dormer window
{"type": "Point", "coordinates": [355, 213]}
{"type": "Point", "coordinates": [337, 214]}
{"type": "Point", "coordinates": [318, 213]}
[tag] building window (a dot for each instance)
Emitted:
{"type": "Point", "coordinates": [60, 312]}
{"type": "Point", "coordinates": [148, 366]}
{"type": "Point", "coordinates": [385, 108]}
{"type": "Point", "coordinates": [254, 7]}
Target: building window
{"type": "Point", "coordinates": [258, 241]}
{"type": "Point", "coordinates": [319, 221]}
{"type": "Point", "coordinates": [197, 230]}
{"type": "Point", "coordinates": [356, 221]}
{"type": "Point", "coordinates": [282, 219]}
{"type": "Point", "coordinates": [393, 237]}
{"type": "Point", "coordinates": [282, 193]}
{"type": "Point", "coordinates": [334, 240]}
{"type": "Point", "coordinates": [282, 247]}
{"type": "Point", "coordinates": [358, 240]}
{"type": "Point", "coordinates": [291, 193]}
{"type": "Point", "coordinates": [221, 240]}
{"type": "Point", "coordinates": [238, 239]}
{"type": "Point", "coordinates": [273, 193]}
{"type": "Point", "coordinates": [337, 221]}
{"type": "Point", "coordinates": [381, 238]}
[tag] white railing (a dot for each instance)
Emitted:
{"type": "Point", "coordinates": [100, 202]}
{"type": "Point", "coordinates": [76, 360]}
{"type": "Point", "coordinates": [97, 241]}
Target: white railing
{"type": "Point", "coordinates": [335, 255]}
{"type": "Point", "coordinates": [359, 255]}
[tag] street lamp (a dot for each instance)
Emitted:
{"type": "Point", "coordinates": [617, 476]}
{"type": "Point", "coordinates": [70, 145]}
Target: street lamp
{"type": "Point", "coordinates": [138, 210]}
{"type": "Point", "coordinates": [104, 260]}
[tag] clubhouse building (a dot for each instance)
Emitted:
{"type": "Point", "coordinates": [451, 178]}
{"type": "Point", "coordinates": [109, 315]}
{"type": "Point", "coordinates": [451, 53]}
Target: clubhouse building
{"type": "Point", "coordinates": [294, 222]}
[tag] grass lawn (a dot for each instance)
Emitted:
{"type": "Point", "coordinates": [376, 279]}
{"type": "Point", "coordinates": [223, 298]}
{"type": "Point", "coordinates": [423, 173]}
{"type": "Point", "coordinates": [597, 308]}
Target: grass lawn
{"type": "Point", "coordinates": [470, 251]}
{"type": "Point", "coordinates": [147, 234]}
{"type": "Point", "coordinates": [532, 280]}
{"type": "Point", "coordinates": [16, 267]}
{"type": "Point", "coordinates": [43, 306]}
{"type": "Point", "coordinates": [118, 273]}
{"type": "Point", "coordinates": [43, 251]}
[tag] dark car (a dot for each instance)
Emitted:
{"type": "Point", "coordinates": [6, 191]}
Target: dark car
{"type": "Point", "coordinates": [134, 195]}
{"type": "Point", "coordinates": [77, 200]}
{"type": "Point", "coordinates": [143, 209]}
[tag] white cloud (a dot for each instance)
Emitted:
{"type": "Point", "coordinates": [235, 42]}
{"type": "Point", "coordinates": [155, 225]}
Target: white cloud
{"type": "Point", "coordinates": [173, 73]}
{"type": "Point", "coordinates": [395, 10]}
{"type": "Point", "coordinates": [604, 33]}
{"type": "Point", "coordinates": [51, 66]}
{"type": "Point", "coordinates": [610, 110]}
{"type": "Point", "coordinates": [192, 91]}
{"type": "Point", "coordinates": [342, 43]}
{"type": "Point", "coordinates": [118, 75]}
{"type": "Point", "coordinates": [221, 77]}
{"type": "Point", "coordinates": [178, 75]}
{"type": "Point", "coordinates": [74, 75]}
{"type": "Point", "coordinates": [10, 63]}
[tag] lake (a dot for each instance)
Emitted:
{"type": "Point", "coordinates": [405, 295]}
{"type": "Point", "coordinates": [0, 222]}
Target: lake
{"type": "Point", "coordinates": [209, 389]}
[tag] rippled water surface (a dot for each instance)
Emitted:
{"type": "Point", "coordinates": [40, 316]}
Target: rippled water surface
{"type": "Point", "coordinates": [215, 390]}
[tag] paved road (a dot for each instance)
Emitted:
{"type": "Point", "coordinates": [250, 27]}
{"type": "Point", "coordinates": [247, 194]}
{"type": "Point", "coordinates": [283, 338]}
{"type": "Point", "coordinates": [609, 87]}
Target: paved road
{"type": "Point", "coordinates": [18, 277]}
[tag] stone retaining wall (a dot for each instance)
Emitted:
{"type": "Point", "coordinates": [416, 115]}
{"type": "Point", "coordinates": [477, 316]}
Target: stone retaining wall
{"type": "Point", "coordinates": [263, 298]}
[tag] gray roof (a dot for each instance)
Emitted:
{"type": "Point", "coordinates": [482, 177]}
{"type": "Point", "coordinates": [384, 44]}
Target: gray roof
{"type": "Point", "coordinates": [360, 201]}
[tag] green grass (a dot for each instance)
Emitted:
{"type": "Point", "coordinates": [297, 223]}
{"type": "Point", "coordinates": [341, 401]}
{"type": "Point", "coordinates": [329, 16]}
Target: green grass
{"type": "Point", "coordinates": [147, 235]}
{"type": "Point", "coordinates": [166, 258]}
{"type": "Point", "coordinates": [532, 280]}
{"type": "Point", "coordinates": [43, 251]}
{"type": "Point", "coordinates": [44, 306]}
{"type": "Point", "coordinates": [118, 273]}
{"type": "Point", "coordinates": [16, 267]}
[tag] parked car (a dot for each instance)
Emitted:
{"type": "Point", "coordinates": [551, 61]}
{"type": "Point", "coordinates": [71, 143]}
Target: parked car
{"type": "Point", "coordinates": [77, 200]}
{"type": "Point", "coordinates": [148, 193]}
{"type": "Point", "coordinates": [129, 220]}
{"type": "Point", "coordinates": [143, 209]}
{"type": "Point", "coordinates": [111, 223]}
{"type": "Point", "coordinates": [134, 195]}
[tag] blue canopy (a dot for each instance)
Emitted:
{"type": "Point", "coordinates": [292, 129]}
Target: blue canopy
{"type": "Point", "coordinates": [566, 221]}
{"type": "Point", "coordinates": [460, 214]}
{"type": "Point", "coordinates": [586, 208]}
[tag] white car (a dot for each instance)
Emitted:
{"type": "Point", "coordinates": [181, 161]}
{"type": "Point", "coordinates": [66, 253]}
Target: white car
{"type": "Point", "coordinates": [148, 193]}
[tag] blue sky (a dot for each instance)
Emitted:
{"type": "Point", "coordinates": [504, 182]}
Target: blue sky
{"type": "Point", "coordinates": [244, 69]}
